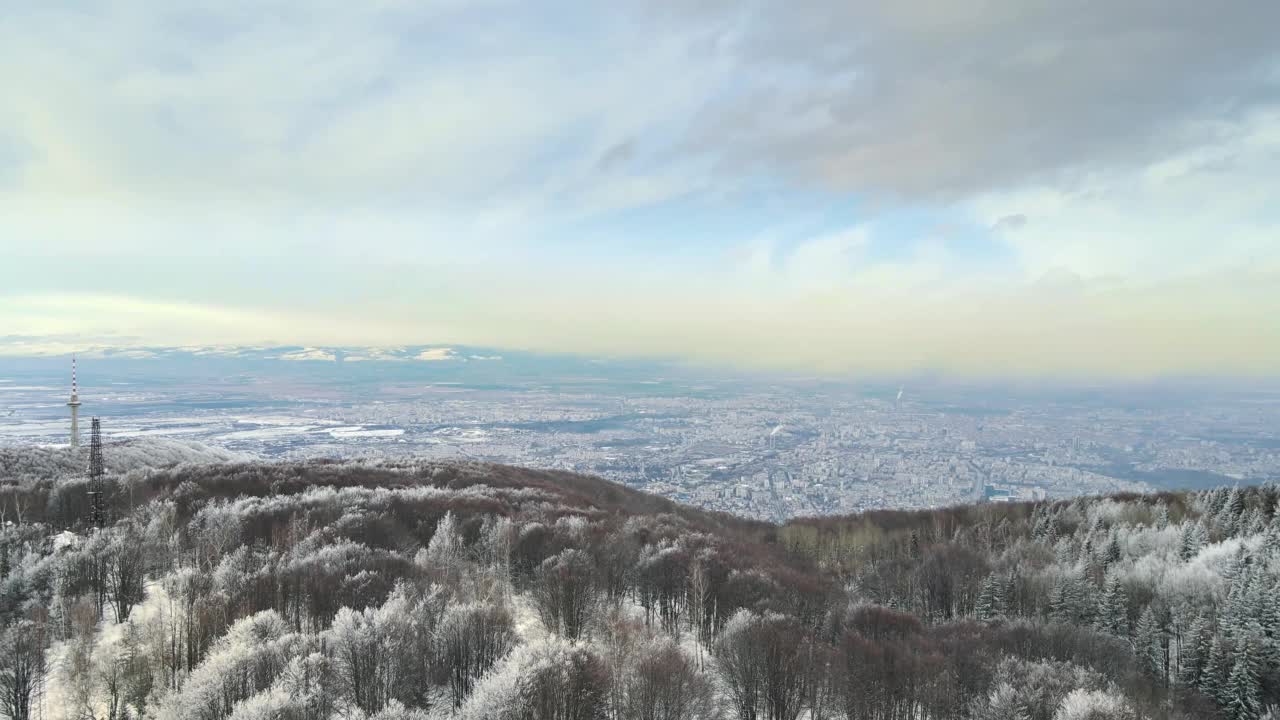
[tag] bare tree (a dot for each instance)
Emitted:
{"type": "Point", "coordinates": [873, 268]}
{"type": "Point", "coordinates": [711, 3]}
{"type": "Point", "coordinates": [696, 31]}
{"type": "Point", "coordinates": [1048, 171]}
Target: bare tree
{"type": "Point", "coordinates": [21, 668]}
{"type": "Point", "coordinates": [470, 639]}
{"type": "Point", "coordinates": [566, 591]}
{"type": "Point", "coordinates": [663, 683]}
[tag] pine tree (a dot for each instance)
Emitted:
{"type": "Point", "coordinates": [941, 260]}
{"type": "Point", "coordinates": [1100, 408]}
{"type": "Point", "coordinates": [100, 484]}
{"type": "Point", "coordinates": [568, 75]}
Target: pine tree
{"type": "Point", "coordinates": [1060, 601]}
{"type": "Point", "coordinates": [1162, 516]}
{"type": "Point", "coordinates": [1244, 690]}
{"type": "Point", "coordinates": [1191, 543]}
{"type": "Point", "coordinates": [991, 601]}
{"type": "Point", "coordinates": [1254, 522]}
{"type": "Point", "coordinates": [1149, 644]}
{"type": "Point", "coordinates": [1064, 554]}
{"type": "Point", "coordinates": [915, 546]}
{"type": "Point", "coordinates": [984, 608]}
{"type": "Point", "coordinates": [1194, 655]}
{"type": "Point", "coordinates": [1229, 517]}
{"type": "Point", "coordinates": [1009, 595]}
{"type": "Point", "coordinates": [1111, 554]}
{"type": "Point", "coordinates": [1213, 679]}
{"type": "Point", "coordinates": [1113, 614]}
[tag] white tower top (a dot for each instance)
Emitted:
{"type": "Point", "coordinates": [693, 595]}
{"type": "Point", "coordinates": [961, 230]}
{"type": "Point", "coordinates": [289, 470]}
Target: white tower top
{"type": "Point", "coordinates": [75, 388]}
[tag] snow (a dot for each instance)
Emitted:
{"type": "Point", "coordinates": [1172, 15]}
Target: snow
{"type": "Point", "coordinates": [358, 432]}
{"type": "Point", "coordinates": [268, 433]}
{"type": "Point", "coordinates": [64, 540]}
{"type": "Point", "coordinates": [525, 618]}
{"type": "Point", "coordinates": [310, 354]}
{"type": "Point", "coordinates": [121, 457]}
{"type": "Point", "coordinates": [436, 355]}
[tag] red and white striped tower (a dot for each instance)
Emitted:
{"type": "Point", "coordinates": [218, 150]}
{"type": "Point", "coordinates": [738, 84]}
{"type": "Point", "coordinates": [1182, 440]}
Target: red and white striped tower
{"type": "Point", "coordinates": [74, 404]}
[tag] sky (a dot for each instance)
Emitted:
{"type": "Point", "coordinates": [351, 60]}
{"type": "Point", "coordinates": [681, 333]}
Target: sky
{"type": "Point", "coordinates": [991, 188]}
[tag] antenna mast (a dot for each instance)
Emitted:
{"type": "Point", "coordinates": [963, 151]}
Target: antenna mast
{"type": "Point", "coordinates": [97, 488]}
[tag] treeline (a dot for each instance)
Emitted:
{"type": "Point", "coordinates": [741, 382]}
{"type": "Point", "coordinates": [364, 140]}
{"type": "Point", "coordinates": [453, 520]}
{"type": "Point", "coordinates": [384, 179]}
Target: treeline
{"type": "Point", "coordinates": [1190, 582]}
{"type": "Point", "coordinates": [386, 590]}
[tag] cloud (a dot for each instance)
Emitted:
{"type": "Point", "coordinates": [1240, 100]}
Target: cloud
{"type": "Point", "coordinates": [729, 182]}
{"type": "Point", "coordinates": [944, 99]}
{"type": "Point", "coordinates": [1010, 223]}
{"type": "Point", "coordinates": [1179, 216]}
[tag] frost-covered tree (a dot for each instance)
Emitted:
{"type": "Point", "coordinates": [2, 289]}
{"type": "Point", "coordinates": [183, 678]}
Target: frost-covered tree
{"type": "Point", "coordinates": [1003, 703]}
{"type": "Point", "coordinates": [383, 654]}
{"type": "Point", "coordinates": [549, 678]}
{"type": "Point", "coordinates": [1195, 653]}
{"type": "Point", "coordinates": [126, 570]}
{"type": "Point", "coordinates": [1213, 679]}
{"type": "Point", "coordinates": [566, 592]}
{"type": "Point", "coordinates": [471, 637]}
{"type": "Point", "coordinates": [1083, 704]}
{"type": "Point", "coordinates": [1192, 539]}
{"type": "Point", "coordinates": [1243, 692]}
{"type": "Point", "coordinates": [661, 682]}
{"type": "Point", "coordinates": [1150, 644]}
{"type": "Point", "coordinates": [444, 552]}
{"type": "Point", "coordinates": [1113, 611]}
{"type": "Point", "coordinates": [244, 662]}
{"type": "Point", "coordinates": [1071, 601]}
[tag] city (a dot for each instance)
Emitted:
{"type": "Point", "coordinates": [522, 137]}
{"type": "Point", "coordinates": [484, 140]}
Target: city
{"type": "Point", "coordinates": [767, 449]}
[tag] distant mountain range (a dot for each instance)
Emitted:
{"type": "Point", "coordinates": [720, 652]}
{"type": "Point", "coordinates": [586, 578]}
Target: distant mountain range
{"type": "Point", "coordinates": [462, 363]}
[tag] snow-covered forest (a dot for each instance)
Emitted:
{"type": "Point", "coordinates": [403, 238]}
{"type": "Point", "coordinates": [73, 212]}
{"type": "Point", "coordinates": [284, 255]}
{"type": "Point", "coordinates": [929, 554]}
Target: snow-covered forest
{"type": "Point", "coordinates": [395, 590]}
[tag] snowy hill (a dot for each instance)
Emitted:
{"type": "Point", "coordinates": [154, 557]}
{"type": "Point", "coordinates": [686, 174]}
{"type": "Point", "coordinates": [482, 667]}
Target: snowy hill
{"type": "Point", "coordinates": [48, 463]}
{"type": "Point", "coordinates": [409, 590]}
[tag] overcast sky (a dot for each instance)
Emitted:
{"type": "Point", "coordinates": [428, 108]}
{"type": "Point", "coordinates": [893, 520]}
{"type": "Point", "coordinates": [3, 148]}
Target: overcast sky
{"type": "Point", "coordinates": [991, 187]}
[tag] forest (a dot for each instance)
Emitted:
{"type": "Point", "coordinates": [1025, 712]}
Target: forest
{"type": "Point", "coordinates": [217, 589]}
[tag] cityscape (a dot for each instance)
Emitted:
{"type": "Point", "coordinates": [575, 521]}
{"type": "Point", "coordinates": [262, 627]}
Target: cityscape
{"type": "Point", "coordinates": [757, 447]}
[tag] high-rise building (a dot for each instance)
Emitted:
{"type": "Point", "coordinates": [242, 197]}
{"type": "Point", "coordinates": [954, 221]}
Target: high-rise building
{"type": "Point", "coordinates": [74, 404]}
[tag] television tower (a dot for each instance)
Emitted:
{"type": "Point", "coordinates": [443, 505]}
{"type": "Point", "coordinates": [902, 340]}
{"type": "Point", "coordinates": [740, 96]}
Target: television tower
{"type": "Point", "coordinates": [97, 494]}
{"type": "Point", "coordinates": [74, 404]}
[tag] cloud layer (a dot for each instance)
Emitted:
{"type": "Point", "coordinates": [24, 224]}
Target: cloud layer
{"type": "Point", "coordinates": [1007, 187]}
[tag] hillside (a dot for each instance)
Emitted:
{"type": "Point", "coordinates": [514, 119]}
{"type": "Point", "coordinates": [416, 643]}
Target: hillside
{"type": "Point", "coordinates": [427, 590]}
{"type": "Point", "coordinates": [47, 463]}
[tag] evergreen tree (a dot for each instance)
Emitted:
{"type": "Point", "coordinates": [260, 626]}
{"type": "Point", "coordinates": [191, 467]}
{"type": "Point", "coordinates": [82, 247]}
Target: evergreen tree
{"type": "Point", "coordinates": [1009, 595]}
{"type": "Point", "coordinates": [991, 601]}
{"type": "Point", "coordinates": [1254, 522]}
{"type": "Point", "coordinates": [1069, 601]}
{"type": "Point", "coordinates": [1195, 653]}
{"type": "Point", "coordinates": [984, 607]}
{"type": "Point", "coordinates": [1213, 679]}
{"type": "Point", "coordinates": [1149, 644]}
{"type": "Point", "coordinates": [1111, 554]}
{"type": "Point", "coordinates": [1229, 517]}
{"type": "Point", "coordinates": [1113, 613]}
{"type": "Point", "coordinates": [1162, 516]}
{"type": "Point", "coordinates": [1244, 690]}
{"type": "Point", "coordinates": [1191, 542]}
{"type": "Point", "coordinates": [1065, 556]}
